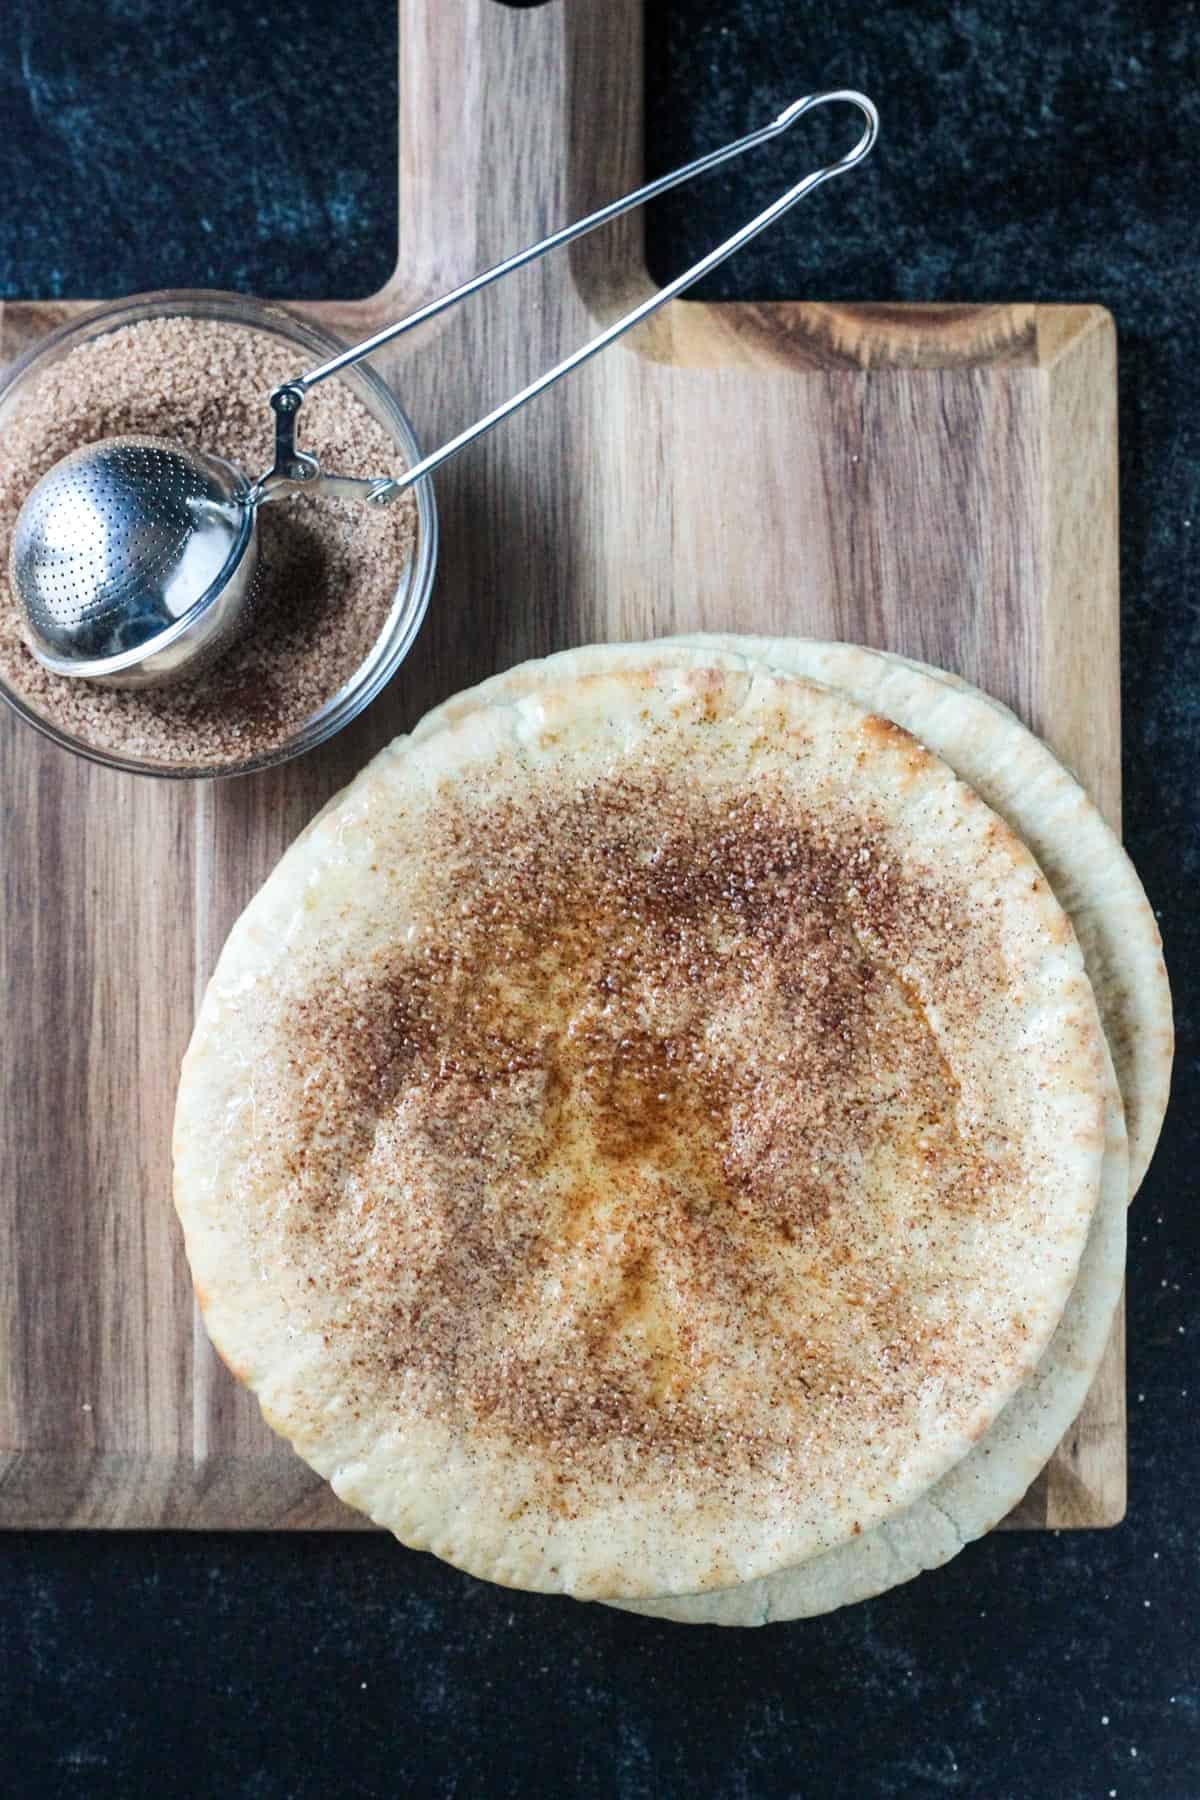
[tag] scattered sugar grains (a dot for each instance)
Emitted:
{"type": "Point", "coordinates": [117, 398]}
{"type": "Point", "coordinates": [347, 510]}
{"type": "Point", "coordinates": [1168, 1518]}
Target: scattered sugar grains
{"type": "Point", "coordinates": [328, 569]}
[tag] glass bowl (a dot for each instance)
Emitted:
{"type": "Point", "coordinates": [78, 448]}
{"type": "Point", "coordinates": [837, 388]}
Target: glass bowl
{"type": "Point", "coordinates": [312, 346]}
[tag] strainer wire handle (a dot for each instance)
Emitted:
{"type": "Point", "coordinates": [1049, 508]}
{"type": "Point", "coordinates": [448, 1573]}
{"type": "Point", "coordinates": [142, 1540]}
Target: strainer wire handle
{"type": "Point", "coordinates": [287, 399]}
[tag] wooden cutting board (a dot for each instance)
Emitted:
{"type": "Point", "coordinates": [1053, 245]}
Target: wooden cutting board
{"type": "Point", "coordinates": [939, 481]}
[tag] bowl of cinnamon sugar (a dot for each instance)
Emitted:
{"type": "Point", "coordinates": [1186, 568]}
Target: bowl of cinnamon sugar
{"type": "Point", "coordinates": [341, 589]}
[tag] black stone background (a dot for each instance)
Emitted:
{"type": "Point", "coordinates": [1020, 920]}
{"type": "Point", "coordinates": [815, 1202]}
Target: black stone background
{"type": "Point", "coordinates": [1029, 153]}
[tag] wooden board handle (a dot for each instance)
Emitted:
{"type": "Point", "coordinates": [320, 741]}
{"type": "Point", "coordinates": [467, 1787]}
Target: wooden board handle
{"type": "Point", "coordinates": [473, 76]}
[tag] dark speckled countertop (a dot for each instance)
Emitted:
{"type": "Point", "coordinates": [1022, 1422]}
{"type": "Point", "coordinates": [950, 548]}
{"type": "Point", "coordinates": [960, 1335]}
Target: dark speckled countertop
{"type": "Point", "coordinates": [1029, 155]}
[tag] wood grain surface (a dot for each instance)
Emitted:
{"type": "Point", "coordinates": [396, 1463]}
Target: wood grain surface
{"type": "Point", "coordinates": [939, 481]}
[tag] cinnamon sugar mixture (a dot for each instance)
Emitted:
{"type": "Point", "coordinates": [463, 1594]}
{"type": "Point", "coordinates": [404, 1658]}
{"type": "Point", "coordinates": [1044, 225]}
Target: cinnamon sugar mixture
{"type": "Point", "coordinates": [670, 1070]}
{"type": "Point", "coordinates": [328, 569]}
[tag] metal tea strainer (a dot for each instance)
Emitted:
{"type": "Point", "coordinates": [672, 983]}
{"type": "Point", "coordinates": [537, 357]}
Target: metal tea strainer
{"type": "Point", "coordinates": [133, 559]}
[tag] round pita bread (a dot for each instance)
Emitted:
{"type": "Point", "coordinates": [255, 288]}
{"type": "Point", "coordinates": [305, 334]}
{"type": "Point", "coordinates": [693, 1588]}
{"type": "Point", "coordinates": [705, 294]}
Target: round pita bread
{"type": "Point", "coordinates": [1019, 777]}
{"type": "Point", "coordinates": [657, 1399]}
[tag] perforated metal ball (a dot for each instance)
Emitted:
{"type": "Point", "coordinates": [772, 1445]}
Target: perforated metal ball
{"type": "Point", "coordinates": [118, 541]}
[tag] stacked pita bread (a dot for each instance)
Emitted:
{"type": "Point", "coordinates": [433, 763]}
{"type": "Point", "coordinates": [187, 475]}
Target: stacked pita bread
{"type": "Point", "coordinates": [663, 1134]}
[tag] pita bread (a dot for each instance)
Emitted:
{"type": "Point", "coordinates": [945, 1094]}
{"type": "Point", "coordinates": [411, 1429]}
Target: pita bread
{"type": "Point", "coordinates": [1019, 777]}
{"type": "Point", "coordinates": [542, 1356]}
